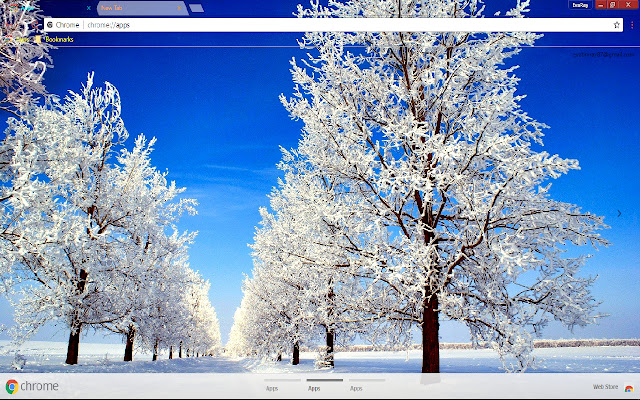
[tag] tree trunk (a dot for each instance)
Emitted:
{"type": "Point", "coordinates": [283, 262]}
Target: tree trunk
{"type": "Point", "coordinates": [76, 325]}
{"type": "Point", "coordinates": [180, 350]}
{"type": "Point", "coordinates": [155, 350]}
{"type": "Point", "coordinates": [329, 328]}
{"type": "Point", "coordinates": [430, 340]}
{"type": "Point", "coordinates": [295, 360]}
{"type": "Point", "coordinates": [74, 345]}
{"type": "Point", "coordinates": [128, 350]}
{"type": "Point", "coordinates": [330, 338]}
{"type": "Point", "coordinates": [170, 352]}
{"type": "Point", "coordinates": [279, 357]}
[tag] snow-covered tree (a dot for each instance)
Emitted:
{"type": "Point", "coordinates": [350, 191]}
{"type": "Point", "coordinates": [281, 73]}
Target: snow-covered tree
{"type": "Point", "coordinates": [83, 211]}
{"type": "Point", "coordinates": [298, 292]}
{"type": "Point", "coordinates": [150, 275]}
{"type": "Point", "coordinates": [48, 164]}
{"type": "Point", "coordinates": [426, 130]}
{"type": "Point", "coordinates": [202, 326]}
{"type": "Point", "coordinates": [270, 321]}
{"type": "Point", "coordinates": [23, 60]}
{"type": "Point", "coordinates": [170, 309]}
{"type": "Point", "coordinates": [237, 345]}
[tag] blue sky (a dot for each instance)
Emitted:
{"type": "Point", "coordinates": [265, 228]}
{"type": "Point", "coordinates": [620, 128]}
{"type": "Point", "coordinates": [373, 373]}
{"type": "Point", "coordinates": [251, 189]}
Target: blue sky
{"type": "Point", "coordinates": [219, 124]}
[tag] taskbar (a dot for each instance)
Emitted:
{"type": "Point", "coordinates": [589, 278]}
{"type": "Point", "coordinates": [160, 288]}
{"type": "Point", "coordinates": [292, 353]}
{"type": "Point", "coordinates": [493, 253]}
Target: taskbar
{"type": "Point", "coordinates": [323, 385]}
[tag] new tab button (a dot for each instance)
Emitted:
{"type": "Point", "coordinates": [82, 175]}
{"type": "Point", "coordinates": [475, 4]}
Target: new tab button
{"type": "Point", "coordinates": [580, 4]}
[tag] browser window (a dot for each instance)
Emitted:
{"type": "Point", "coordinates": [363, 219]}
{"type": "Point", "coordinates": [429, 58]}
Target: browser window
{"type": "Point", "coordinates": [346, 199]}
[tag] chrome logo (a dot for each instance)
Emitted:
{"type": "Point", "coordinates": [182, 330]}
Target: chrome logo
{"type": "Point", "coordinates": [12, 386]}
{"type": "Point", "coordinates": [628, 389]}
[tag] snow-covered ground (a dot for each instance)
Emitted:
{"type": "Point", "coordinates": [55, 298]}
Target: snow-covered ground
{"type": "Point", "coordinates": [49, 357]}
{"type": "Point", "coordinates": [566, 359]}
{"type": "Point", "coordinates": [95, 357]}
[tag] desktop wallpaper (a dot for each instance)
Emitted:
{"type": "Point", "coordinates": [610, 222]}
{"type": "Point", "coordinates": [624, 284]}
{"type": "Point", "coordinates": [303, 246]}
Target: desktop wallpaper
{"type": "Point", "coordinates": [214, 104]}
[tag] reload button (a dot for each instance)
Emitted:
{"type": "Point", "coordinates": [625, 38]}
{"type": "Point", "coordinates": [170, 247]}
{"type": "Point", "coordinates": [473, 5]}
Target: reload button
{"type": "Point", "coordinates": [580, 4]}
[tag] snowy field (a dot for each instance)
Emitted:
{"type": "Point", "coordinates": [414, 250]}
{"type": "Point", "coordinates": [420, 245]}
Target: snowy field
{"type": "Point", "coordinates": [50, 356]}
{"type": "Point", "coordinates": [566, 359]}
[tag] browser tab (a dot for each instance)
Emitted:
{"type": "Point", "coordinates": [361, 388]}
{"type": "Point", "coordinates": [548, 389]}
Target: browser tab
{"type": "Point", "coordinates": [142, 8]}
{"type": "Point", "coordinates": [196, 8]}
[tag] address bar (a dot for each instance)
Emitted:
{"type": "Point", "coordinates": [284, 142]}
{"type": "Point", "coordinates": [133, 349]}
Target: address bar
{"type": "Point", "coordinates": [334, 24]}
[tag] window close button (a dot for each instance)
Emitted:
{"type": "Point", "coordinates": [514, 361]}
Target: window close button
{"type": "Point", "coordinates": [628, 5]}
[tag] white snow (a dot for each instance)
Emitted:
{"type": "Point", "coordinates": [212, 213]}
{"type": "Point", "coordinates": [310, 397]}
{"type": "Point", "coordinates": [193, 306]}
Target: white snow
{"type": "Point", "coordinates": [50, 356]}
{"type": "Point", "coordinates": [96, 357]}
